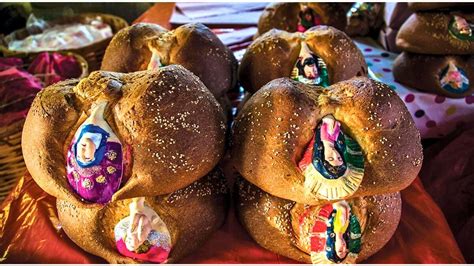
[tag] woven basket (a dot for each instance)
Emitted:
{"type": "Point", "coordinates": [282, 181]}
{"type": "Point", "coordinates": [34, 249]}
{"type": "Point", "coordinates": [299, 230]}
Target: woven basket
{"type": "Point", "coordinates": [12, 166]}
{"type": "Point", "coordinates": [92, 53]}
{"type": "Point", "coordinates": [29, 57]}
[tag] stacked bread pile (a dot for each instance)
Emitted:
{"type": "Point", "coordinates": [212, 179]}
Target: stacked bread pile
{"type": "Point", "coordinates": [322, 167]}
{"type": "Point", "coordinates": [438, 48]}
{"type": "Point", "coordinates": [131, 159]}
{"type": "Point", "coordinates": [323, 151]}
{"type": "Point", "coordinates": [131, 155]}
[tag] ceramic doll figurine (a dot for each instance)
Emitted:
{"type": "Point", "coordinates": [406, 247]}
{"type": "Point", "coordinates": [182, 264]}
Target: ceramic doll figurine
{"type": "Point", "coordinates": [462, 27]}
{"type": "Point", "coordinates": [454, 79]}
{"type": "Point", "coordinates": [309, 68]}
{"type": "Point", "coordinates": [143, 235]}
{"type": "Point", "coordinates": [333, 164]}
{"type": "Point", "coordinates": [335, 235]}
{"type": "Point", "coordinates": [94, 159]}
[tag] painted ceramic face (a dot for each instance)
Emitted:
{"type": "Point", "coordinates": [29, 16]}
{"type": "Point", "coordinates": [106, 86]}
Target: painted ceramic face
{"type": "Point", "coordinates": [94, 159]}
{"type": "Point", "coordinates": [143, 235]}
{"type": "Point", "coordinates": [460, 28]}
{"type": "Point", "coordinates": [309, 68]}
{"type": "Point", "coordinates": [85, 150]}
{"type": "Point", "coordinates": [330, 233]}
{"type": "Point", "coordinates": [454, 79]}
{"type": "Point", "coordinates": [329, 132]}
{"type": "Point", "coordinates": [333, 163]}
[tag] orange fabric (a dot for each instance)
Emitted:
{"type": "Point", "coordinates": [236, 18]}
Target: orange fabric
{"type": "Point", "coordinates": [31, 233]}
{"type": "Point", "coordinates": [159, 13]}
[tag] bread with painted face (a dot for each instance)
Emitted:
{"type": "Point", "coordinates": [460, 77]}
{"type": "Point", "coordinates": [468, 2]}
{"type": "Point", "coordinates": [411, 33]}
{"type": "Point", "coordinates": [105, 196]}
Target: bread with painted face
{"type": "Point", "coordinates": [115, 136]}
{"type": "Point", "coordinates": [131, 159]}
{"type": "Point", "coordinates": [438, 33]}
{"type": "Point", "coordinates": [313, 145]}
{"type": "Point", "coordinates": [194, 46]}
{"type": "Point", "coordinates": [299, 17]}
{"type": "Point", "coordinates": [347, 231]}
{"type": "Point", "coordinates": [165, 228]}
{"type": "Point", "coordinates": [322, 55]}
{"type": "Point", "coordinates": [365, 18]}
{"type": "Point", "coordinates": [448, 75]}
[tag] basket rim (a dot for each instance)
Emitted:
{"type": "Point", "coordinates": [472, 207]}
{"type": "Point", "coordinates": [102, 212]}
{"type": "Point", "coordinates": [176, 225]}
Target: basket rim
{"type": "Point", "coordinates": [115, 22]}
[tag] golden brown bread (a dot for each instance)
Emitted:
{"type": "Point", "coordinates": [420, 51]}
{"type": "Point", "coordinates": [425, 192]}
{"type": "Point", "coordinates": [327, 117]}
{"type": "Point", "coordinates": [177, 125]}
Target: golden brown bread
{"type": "Point", "coordinates": [285, 16]}
{"type": "Point", "coordinates": [194, 46]}
{"type": "Point", "coordinates": [432, 33]}
{"type": "Point", "coordinates": [275, 223]}
{"type": "Point", "coordinates": [191, 215]}
{"type": "Point", "coordinates": [170, 126]}
{"type": "Point", "coordinates": [274, 55]}
{"type": "Point", "coordinates": [276, 125]}
{"type": "Point", "coordinates": [365, 18]}
{"type": "Point", "coordinates": [426, 73]}
{"type": "Point", "coordinates": [128, 50]}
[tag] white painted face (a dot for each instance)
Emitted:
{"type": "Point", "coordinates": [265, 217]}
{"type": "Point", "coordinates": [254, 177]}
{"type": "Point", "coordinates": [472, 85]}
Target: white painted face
{"type": "Point", "coordinates": [462, 25]}
{"type": "Point", "coordinates": [332, 156]}
{"type": "Point", "coordinates": [341, 248]}
{"type": "Point", "coordinates": [86, 150]}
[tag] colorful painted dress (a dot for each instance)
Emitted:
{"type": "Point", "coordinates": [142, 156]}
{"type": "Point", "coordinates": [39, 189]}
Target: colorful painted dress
{"type": "Point", "coordinates": [95, 159]}
{"type": "Point", "coordinates": [324, 178]}
{"type": "Point", "coordinates": [319, 232]}
{"type": "Point", "coordinates": [454, 79]}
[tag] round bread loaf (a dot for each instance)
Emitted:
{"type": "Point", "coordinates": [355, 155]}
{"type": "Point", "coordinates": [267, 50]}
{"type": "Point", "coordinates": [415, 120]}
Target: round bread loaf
{"type": "Point", "coordinates": [194, 46]}
{"type": "Point", "coordinates": [276, 54]}
{"type": "Point", "coordinates": [153, 132]}
{"type": "Point", "coordinates": [365, 18]}
{"type": "Point", "coordinates": [313, 145]}
{"type": "Point", "coordinates": [437, 33]}
{"type": "Point", "coordinates": [448, 75]}
{"type": "Point", "coordinates": [291, 17]}
{"type": "Point", "coordinates": [307, 233]}
{"type": "Point", "coordinates": [187, 216]}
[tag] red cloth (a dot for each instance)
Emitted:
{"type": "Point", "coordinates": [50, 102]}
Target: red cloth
{"type": "Point", "coordinates": [30, 233]}
{"type": "Point", "coordinates": [448, 174]}
{"type": "Point", "coordinates": [17, 91]}
{"type": "Point", "coordinates": [19, 87]}
{"type": "Point", "coordinates": [153, 255]}
{"type": "Point", "coordinates": [54, 67]}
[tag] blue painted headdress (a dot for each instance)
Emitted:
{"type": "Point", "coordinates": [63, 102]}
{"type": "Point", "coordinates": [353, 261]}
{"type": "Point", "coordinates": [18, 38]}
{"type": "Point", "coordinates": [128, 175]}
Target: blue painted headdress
{"type": "Point", "coordinates": [100, 148]}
